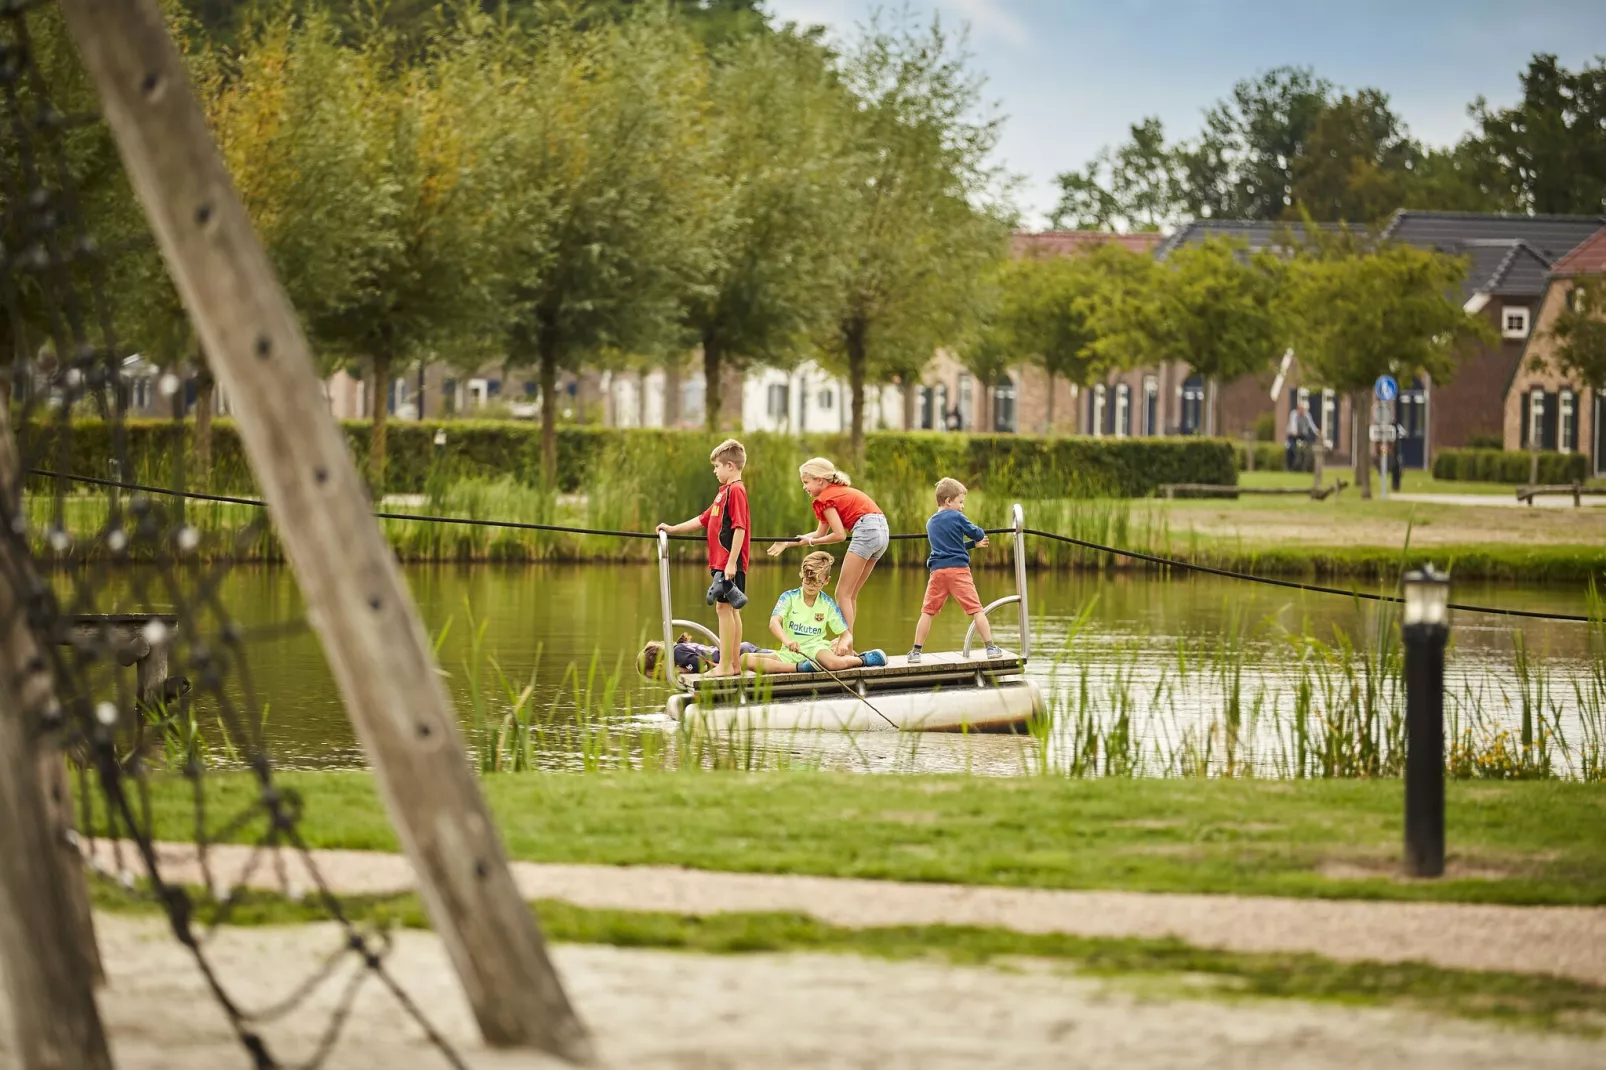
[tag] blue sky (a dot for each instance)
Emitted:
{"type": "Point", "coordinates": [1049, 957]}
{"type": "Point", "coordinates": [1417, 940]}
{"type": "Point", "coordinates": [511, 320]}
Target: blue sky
{"type": "Point", "coordinates": [1072, 75]}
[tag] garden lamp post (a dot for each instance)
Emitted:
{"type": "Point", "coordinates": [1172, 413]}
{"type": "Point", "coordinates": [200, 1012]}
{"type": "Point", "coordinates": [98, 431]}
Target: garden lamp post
{"type": "Point", "coordinates": [1425, 627]}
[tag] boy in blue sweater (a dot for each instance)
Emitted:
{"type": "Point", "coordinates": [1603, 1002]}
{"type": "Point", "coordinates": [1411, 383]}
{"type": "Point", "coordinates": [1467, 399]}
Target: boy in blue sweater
{"type": "Point", "coordinates": [952, 535]}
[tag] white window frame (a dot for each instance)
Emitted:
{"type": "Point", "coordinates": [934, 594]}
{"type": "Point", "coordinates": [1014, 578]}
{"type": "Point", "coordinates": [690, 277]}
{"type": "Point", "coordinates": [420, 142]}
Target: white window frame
{"type": "Point", "coordinates": [1536, 419]}
{"type": "Point", "coordinates": [1566, 414]}
{"type": "Point", "coordinates": [1329, 417]}
{"type": "Point", "coordinates": [1123, 409]}
{"type": "Point", "coordinates": [826, 400]}
{"type": "Point", "coordinates": [778, 401]}
{"type": "Point", "coordinates": [1508, 313]}
{"type": "Point", "coordinates": [1100, 399]}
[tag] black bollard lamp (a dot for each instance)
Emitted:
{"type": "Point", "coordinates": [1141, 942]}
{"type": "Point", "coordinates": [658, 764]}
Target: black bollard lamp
{"type": "Point", "coordinates": [1425, 627]}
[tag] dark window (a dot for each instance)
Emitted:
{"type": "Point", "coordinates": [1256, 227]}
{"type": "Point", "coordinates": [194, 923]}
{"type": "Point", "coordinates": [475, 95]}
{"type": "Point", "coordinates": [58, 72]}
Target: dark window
{"type": "Point", "coordinates": [1193, 392]}
{"type": "Point", "coordinates": [529, 388]}
{"type": "Point", "coordinates": [1004, 405]}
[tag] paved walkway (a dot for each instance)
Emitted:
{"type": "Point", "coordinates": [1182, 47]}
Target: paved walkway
{"type": "Point", "coordinates": [1498, 501]}
{"type": "Point", "coordinates": [1562, 941]}
{"type": "Point", "coordinates": [675, 1010]}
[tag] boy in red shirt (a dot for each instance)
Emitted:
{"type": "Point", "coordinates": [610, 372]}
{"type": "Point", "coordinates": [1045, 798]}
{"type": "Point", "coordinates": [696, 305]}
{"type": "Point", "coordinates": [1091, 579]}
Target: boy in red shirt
{"type": "Point", "coordinates": [727, 523]}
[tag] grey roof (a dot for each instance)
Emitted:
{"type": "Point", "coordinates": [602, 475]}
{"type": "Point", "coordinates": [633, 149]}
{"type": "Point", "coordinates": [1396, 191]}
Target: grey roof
{"type": "Point", "coordinates": [1504, 267]}
{"type": "Point", "coordinates": [1551, 236]}
{"type": "Point", "coordinates": [1257, 233]}
{"type": "Point", "coordinates": [1509, 254]}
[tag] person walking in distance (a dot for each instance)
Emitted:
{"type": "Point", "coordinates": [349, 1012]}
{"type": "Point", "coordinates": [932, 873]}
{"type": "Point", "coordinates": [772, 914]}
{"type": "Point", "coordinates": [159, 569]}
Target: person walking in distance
{"type": "Point", "coordinates": [1301, 430]}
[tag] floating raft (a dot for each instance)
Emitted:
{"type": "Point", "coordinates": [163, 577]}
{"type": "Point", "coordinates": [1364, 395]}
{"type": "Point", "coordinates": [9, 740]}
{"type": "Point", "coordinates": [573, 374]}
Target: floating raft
{"type": "Point", "coordinates": [944, 692]}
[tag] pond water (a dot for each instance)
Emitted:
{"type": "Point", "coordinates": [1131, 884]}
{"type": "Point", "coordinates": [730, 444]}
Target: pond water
{"type": "Point", "coordinates": [1181, 671]}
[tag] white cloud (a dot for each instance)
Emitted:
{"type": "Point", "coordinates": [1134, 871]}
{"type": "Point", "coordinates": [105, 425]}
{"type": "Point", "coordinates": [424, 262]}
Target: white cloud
{"type": "Point", "coordinates": [990, 18]}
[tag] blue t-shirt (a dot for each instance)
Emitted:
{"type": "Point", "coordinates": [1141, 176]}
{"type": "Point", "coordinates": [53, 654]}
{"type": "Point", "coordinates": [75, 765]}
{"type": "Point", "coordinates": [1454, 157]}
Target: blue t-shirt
{"type": "Point", "coordinates": [952, 535]}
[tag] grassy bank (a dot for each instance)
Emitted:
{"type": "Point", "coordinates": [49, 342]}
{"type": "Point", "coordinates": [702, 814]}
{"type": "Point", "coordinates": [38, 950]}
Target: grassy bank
{"type": "Point", "coordinates": [1275, 537]}
{"type": "Point", "coordinates": [1529, 842]}
{"type": "Point", "coordinates": [1170, 966]}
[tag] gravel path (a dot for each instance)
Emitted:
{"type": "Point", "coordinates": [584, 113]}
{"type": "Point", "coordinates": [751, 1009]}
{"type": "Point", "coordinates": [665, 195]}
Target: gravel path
{"type": "Point", "coordinates": [1563, 941]}
{"type": "Point", "coordinates": [660, 1010]}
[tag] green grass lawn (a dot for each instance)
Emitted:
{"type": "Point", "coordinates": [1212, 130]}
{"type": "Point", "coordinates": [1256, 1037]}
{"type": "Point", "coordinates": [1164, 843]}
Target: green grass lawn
{"type": "Point", "coordinates": [1412, 481]}
{"type": "Point", "coordinates": [1538, 842]}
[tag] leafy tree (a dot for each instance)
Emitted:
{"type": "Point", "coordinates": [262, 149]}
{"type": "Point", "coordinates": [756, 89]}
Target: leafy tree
{"type": "Point", "coordinates": [1048, 310]}
{"type": "Point", "coordinates": [1211, 306]}
{"type": "Point", "coordinates": [1133, 186]}
{"type": "Point", "coordinates": [1550, 148]}
{"type": "Point", "coordinates": [1579, 333]}
{"type": "Point", "coordinates": [779, 157]}
{"type": "Point", "coordinates": [612, 155]}
{"type": "Point", "coordinates": [1363, 311]}
{"type": "Point", "coordinates": [918, 241]}
{"type": "Point", "coordinates": [1357, 161]}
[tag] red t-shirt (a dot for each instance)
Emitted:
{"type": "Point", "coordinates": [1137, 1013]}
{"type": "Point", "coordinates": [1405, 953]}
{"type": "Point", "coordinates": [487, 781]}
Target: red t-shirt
{"type": "Point", "coordinates": [728, 513]}
{"type": "Point", "coordinates": [851, 505]}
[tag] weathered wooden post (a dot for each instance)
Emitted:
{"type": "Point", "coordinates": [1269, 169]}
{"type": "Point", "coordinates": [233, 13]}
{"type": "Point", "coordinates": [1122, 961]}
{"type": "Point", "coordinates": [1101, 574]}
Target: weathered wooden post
{"type": "Point", "coordinates": [45, 931]}
{"type": "Point", "coordinates": [356, 600]}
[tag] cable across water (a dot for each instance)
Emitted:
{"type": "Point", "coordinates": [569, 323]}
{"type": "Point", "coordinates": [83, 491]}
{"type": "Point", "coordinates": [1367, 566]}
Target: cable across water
{"type": "Point", "coordinates": [1136, 555]}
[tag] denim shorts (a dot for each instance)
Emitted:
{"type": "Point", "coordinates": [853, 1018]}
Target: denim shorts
{"type": "Point", "coordinates": [870, 537]}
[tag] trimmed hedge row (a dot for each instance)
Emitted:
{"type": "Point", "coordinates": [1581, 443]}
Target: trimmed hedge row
{"type": "Point", "coordinates": [1028, 465]}
{"type": "Point", "coordinates": [1509, 466]}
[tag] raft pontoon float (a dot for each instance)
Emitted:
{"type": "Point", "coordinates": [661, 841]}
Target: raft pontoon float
{"type": "Point", "coordinates": [945, 691]}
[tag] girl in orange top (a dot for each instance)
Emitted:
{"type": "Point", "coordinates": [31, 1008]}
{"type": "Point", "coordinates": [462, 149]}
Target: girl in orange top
{"type": "Point", "coordinates": [845, 515]}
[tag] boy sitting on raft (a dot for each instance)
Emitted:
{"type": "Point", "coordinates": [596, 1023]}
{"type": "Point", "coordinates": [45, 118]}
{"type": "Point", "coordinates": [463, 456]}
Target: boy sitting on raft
{"type": "Point", "coordinates": [803, 620]}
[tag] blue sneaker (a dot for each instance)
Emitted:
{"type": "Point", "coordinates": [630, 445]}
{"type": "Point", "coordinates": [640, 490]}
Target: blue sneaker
{"type": "Point", "coordinates": [874, 659]}
{"type": "Point", "coordinates": [807, 666]}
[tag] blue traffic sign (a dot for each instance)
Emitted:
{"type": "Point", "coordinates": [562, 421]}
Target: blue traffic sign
{"type": "Point", "coordinates": [1386, 388]}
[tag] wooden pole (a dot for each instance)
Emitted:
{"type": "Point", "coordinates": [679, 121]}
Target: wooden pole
{"type": "Point", "coordinates": [46, 936]}
{"type": "Point", "coordinates": [356, 599]}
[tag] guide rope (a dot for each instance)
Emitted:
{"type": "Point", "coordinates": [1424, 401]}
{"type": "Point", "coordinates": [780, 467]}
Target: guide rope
{"type": "Point", "coordinates": [1136, 555]}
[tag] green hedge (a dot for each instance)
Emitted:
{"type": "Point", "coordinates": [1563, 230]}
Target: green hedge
{"type": "Point", "coordinates": [1026, 465]}
{"type": "Point", "coordinates": [1509, 466]}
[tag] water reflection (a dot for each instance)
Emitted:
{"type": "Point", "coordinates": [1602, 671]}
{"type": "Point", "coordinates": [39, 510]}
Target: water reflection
{"type": "Point", "coordinates": [1151, 647]}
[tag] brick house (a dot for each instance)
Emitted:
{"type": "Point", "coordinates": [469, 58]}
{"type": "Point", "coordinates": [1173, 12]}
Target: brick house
{"type": "Point", "coordinates": [1508, 258]}
{"type": "Point", "coordinates": [948, 395]}
{"type": "Point", "coordinates": [1544, 408]}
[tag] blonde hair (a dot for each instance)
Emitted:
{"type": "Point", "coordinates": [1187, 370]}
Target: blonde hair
{"type": "Point", "coordinates": [817, 567]}
{"type": "Point", "coordinates": [948, 488]}
{"type": "Point", "coordinates": [729, 450]}
{"type": "Point", "coordinates": [820, 468]}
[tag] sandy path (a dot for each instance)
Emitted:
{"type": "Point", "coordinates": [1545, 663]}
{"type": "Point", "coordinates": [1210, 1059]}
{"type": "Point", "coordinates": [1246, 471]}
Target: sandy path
{"type": "Point", "coordinates": [678, 1011]}
{"type": "Point", "coordinates": [1564, 941]}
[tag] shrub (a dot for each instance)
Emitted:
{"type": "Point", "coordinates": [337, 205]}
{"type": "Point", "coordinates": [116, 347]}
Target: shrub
{"type": "Point", "coordinates": [674, 464]}
{"type": "Point", "coordinates": [1485, 442]}
{"type": "Point", "coordinates": [1508, 466]}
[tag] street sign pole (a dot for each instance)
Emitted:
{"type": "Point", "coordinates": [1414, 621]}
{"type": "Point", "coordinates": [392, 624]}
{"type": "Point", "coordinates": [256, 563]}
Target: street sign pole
{"type": "Point", "coordinates": [1383, 426]}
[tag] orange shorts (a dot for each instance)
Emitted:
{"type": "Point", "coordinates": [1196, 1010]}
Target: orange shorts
{"type": "Point", "coordinates": [952, 583]}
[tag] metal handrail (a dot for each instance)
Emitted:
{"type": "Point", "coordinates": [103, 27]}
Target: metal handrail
{"type": "Point", "coordinates": [669, 616]}
{"type": "Point", "coordinates": [1018, 515]}
{"type": "Point", "coordinates": [970, 632]}
{"type": "Point", "coordinates": [708, 632]}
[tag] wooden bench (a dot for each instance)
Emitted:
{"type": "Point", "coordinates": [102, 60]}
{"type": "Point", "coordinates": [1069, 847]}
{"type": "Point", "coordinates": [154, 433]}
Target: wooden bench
{"type": "Point", "coordinates": [1577, 490]}
{"type": "Point", "coordinates": [1228, 490]}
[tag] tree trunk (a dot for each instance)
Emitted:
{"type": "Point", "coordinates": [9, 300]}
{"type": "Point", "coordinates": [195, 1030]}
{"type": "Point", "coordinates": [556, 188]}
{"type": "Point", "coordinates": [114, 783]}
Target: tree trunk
{"type": "Point", "coordinates": [205, 391]}
{"type": "Point", "coordinates": [713, 397]}
{"type": "Point", "coordinates": [857, 360]}
{"type": "Point", "coordinates": [641, 397]}
{"type": "Point", "coordinates": [380, 410]}
{"type": "Point", "coordinates": [549, 412]}
{"type": "Point", "coordinates": [1049, 430]}
{"type": "Point", "coordinates": [911, 403]}
{"type": "Point", "coordinates": [1361, 443]}
{"type": "Point", "coordinates": [1215, 408]}
{"type": "Point", "coordinates": [672, 373]}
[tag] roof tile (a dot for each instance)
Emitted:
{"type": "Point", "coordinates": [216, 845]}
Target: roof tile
{"type": "Point", "coordinates": [1587, 258]}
